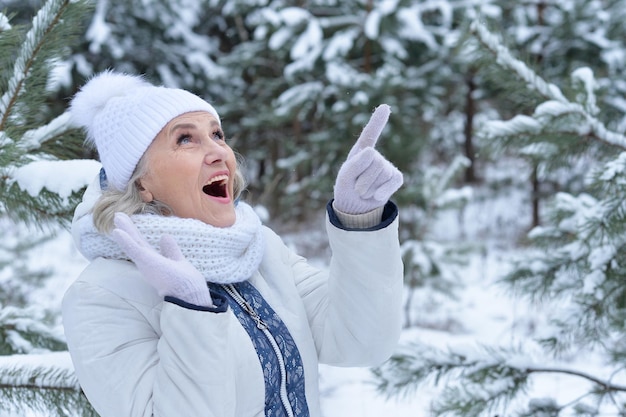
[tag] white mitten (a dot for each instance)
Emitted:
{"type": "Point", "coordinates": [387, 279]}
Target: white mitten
{"type": "Point", "coordinates": [168, 272]}
{"type": "Point", "coordinates": [366, 181]}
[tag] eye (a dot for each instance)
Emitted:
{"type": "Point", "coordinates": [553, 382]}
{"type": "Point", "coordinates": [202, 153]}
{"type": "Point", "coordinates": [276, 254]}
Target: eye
{"type": "Point", "coordinates": [183, 139]}
{"type": "Point", "coordinates": [218, 135]}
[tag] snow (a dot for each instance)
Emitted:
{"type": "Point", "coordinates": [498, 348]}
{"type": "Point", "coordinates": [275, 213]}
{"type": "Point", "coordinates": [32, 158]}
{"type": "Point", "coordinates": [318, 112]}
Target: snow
{"type": "Point", "coordinates": [35, 137]}
{"type": "Point", "coordinates": [279, 38]}
{"type": "Point", "coordinates": [615, 168]}
{"type": "Point", "coordinates": [31, 366]}
{"type": "Point", "coordinates": [454, 195]}
{"type": "Point", "coordinates": [308, 42]}
{"type": "Point", "coordinates": [297, 95]}
{"type": "Point", "coordinates": [556, 104]}
{"type": "Point", "coordinates": [386, 7]}
{"type": "Point", "coordinates": [394, 47]}
{"type": "Point", "coordinates": [341, 74]}
{"type": "Point", "coordinates": [514, 126]}
{"type": "Point", "coordinates": [293, 16]}
{"type": "Point", "coordinates": [340, 44]}
{"type": "Point", "coordinates": [61, 177]}
{"type": "Point", "coordinates": [615, 58]}
{"type": "Point", "coordinates": [98, 31]}
{"type": "Point", "coordinates": [60, 76]}
{"type": "Point", "coordinates": [506, 60]}
{"type": "Point", "coordinates": [4, 22]}
{"type": "Point", "coordinates": [413, 27]}
{"type": "Point", "coordinates": [372, 24]}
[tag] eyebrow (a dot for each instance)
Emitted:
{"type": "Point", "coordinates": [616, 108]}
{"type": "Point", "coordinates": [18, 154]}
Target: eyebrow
{"type": "Point", "coordinates": [191, 125]}
{"type": "Point", "coordinates": [183, 126]}
{"type": "Point", "coordinates": [179, 126]}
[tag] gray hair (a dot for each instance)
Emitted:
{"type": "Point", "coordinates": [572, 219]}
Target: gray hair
{"type": "Point", "coordinates": [129, 200]}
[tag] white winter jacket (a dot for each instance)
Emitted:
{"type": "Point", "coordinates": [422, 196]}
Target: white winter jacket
{"type": "Point", "coordinates": [138, 355]}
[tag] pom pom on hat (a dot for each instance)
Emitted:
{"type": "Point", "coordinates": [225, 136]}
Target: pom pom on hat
{"type": "Point", "coordinates": [122, 115]}
{"type": "Point", "coordinates": [94, 96]}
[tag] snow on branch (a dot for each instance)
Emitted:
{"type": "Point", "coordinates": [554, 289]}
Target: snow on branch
{"type": "Point", "coordinates": [475, 378]}
{"type": "Point", "coordinates": [585, 76]}
{"type": "Point", "coordinates": [34, 138]}
{"type": "Point", "coordinates": [60, 177]}
{"type": "Point", "coordinates": [4, 22]}
{"type": "Point", "coordinates": [556, 104]}
{"type": "Point", "coordinates": [506, 59]}
{"type": "Point", "coordinates": [51, 370]}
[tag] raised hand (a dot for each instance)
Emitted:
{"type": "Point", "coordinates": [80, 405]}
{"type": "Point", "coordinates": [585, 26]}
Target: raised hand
{"type": "Point", "coordinates": [168, 272]}
{"type": "Point", "coordinates": [367, 180]}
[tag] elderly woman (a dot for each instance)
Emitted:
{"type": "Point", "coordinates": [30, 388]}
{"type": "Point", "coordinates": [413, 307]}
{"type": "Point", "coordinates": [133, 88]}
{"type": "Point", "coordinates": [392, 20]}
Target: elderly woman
{"type": "Point", "coordinates": [190, 306]}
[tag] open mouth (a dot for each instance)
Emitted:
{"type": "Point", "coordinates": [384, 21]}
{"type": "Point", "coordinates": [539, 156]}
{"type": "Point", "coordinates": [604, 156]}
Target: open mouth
{"type": "Point", "coordinates": [216, 186]}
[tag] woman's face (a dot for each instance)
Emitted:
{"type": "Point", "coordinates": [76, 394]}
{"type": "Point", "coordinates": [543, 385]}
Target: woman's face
{"type": "Point", "coordinates": [191, 168]}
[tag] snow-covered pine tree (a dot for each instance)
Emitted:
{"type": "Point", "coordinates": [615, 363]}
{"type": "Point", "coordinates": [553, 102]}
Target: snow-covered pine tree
{"type": "Point", "coordinates": [29, 130]}
{"type": "Point", "coordinates": [35, 372]}
{"type": "Point", "coordinates": [554, 38]}
{"type": "Point", "coordinates": [574, 264]}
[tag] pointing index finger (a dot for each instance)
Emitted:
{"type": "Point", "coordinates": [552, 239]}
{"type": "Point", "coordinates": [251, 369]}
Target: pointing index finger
{"type": "Point", "coordinates": [372, 130]}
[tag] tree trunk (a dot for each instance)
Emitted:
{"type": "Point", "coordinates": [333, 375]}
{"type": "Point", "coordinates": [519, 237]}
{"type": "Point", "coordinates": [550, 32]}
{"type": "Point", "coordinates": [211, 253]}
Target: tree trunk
{"type": "Point", "coordinates": [535, 196]}
{"type": "Point", "coordinates": [470, 111]}
{"type": "Point", "coordinates": [367, 48]}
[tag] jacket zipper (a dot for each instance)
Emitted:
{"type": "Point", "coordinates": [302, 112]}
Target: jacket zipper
{"type": "Point", "coordinates": [261, 325]}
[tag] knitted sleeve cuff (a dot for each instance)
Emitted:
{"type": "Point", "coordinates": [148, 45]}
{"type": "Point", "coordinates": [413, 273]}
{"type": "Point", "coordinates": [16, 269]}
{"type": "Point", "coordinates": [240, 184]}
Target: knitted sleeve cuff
{"type": "Point", "coordinates": [389, 215]}
{"type": "Point", "coordinates": [359, 221]}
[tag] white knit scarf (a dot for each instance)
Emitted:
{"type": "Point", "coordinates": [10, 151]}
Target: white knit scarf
{"type": "Point", "coordinates": [223, 255]}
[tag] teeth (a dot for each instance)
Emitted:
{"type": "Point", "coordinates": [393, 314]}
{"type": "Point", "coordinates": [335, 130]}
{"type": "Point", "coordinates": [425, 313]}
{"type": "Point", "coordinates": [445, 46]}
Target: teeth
{"type": "Point", "coordinates": [222, 177]}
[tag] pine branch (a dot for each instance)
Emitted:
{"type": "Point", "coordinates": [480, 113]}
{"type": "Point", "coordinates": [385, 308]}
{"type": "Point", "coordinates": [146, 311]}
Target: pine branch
{"type": "Point", "coordinates": [41, 375]}
{"type": "Point", "coordinates": [33, 139]}
{"type": "Point", "coordinates": [43, 23]}
{"type": "Point", "coordinates": [505, 59]}
{"type": "Point", "coordinates": [25, 331]}
{"type": "Point", "coordinates": [18, 277]}
{"type": "Point", "coordinates": [43, 382]}
{"type": "Point", "coordinates": [557, 105]}
{"type": "Point", "coordinates": [47, 371]}
{"type": "Point", "coordinates": [28, 132]}
{"type": "Point", "coordinates": [605, 385]}
{"type": "Point", "coordinates": [475, 382]}
{"type": "Point", "coordinates": [47, 206]}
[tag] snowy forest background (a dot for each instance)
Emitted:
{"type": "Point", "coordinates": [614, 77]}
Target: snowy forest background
{"type": "Point", "coordinates": [508, 121]}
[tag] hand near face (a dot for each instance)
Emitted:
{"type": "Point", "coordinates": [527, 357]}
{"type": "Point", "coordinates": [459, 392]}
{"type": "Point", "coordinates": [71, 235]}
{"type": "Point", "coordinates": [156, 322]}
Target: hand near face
{"type": "Point", "coordinates": [366, 181]}
{"type": "Point", "coordinates": [168, 271]}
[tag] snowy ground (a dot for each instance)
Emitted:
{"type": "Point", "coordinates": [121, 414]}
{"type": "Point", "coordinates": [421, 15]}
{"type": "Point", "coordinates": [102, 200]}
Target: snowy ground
{"type": "Point", "coordinates": [483, 313]}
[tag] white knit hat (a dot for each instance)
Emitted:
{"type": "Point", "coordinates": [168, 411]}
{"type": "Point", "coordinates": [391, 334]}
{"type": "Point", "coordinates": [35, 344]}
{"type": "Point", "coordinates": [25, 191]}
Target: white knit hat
{"type": "Point", "coordinates": [123, 114]}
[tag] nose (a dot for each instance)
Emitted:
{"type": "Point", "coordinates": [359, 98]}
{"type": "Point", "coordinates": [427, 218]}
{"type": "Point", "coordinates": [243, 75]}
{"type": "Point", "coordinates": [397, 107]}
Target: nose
{"type": "Point", "coordinates": [213, 152]}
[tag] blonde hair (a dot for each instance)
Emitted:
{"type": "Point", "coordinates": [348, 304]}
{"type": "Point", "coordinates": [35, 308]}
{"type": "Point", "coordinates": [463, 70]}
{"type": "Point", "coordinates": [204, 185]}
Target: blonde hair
{"type": "Point", "coordinates": [129, 200]}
